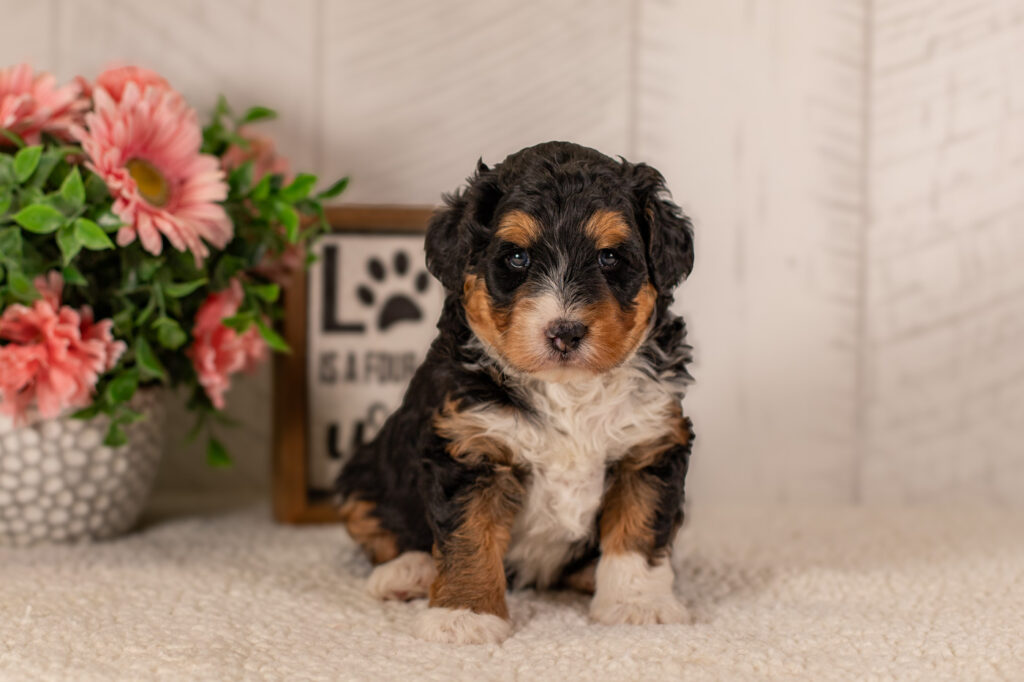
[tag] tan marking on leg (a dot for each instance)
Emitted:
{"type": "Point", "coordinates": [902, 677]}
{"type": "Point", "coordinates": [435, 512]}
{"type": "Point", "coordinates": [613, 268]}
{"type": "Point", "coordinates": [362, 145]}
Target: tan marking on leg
{"type": "Point", "coordinates": [471, 569]}
{"type": "Point", "coordinates": [631, 502]}
{"type": "Point", "coordinates": [379, 544]}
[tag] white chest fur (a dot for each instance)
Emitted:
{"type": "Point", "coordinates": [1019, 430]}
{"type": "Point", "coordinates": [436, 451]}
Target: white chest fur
{"type": "Point", "coordinates": [580, 428]}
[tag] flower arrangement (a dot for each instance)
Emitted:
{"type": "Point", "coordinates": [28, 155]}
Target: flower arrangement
{"type": "Point", "coordinates": [138, 248]}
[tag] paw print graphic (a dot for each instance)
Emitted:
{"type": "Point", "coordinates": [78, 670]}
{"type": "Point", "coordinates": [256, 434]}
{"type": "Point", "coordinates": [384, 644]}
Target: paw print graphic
{"type": "Point", "coordinates": [398, 306]}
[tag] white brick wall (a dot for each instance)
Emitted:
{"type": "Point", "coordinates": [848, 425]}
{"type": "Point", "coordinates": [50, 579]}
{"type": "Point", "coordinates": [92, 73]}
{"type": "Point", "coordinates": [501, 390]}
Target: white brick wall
{"type": "Point", "coordinates": [855, 167]}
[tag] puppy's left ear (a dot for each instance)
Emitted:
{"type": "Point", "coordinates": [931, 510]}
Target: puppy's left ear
{"type": "Point", "coordinates": [459, 230]}
{"type": "Point", "coordinates": [667, 233]}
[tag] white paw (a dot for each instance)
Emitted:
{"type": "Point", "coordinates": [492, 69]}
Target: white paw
{"type": "Point", "coordinates": [407, 576]}
{"type": "Point", "coordinates": [461, 626]}
{"type": "Point", "coordinates": [666, 610]}
{"type": "Point", "coordinates": [631, 591]}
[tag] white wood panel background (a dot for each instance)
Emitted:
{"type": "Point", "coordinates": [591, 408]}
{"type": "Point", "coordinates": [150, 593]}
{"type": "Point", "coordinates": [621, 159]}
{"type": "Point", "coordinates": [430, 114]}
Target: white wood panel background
{"type": "Point", "coordinates": [945, 329]}
{"type": "Point", "coordinates": [854, 168]}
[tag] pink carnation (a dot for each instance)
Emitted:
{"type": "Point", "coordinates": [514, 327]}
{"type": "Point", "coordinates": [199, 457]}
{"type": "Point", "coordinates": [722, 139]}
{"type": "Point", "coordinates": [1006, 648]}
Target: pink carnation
{"type": "Point", "coordinates": [31, 104]}
{"type": "Point", "coordinates": [218, 351]}
{"type": "Point", "coordinates": [261, 151]}
{"type": "Point", "coordinates": [54, 354]}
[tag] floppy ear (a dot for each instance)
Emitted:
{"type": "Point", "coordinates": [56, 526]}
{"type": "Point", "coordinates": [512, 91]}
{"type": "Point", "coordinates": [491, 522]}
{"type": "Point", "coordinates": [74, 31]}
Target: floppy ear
{"type": "Point", "coordinates": [667, 233]}
{"type": "Point", "coordinates": [459, 230]}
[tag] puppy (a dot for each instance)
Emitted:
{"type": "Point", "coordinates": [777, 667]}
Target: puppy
{"type": "Point", "coordinates": [542, 442]}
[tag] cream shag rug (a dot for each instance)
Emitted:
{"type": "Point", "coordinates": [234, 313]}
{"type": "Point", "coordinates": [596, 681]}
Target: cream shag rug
{"type": "Point", "coordinates": [778, 593]}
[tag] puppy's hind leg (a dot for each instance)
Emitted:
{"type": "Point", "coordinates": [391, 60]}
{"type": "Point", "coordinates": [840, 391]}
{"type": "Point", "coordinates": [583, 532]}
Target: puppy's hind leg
{"type": "Point", "coordinates": [407, 576]}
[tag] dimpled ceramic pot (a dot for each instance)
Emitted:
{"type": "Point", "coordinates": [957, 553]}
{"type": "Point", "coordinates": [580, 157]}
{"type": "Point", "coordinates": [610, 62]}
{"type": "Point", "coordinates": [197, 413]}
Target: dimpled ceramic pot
{"type": "Point", "coordinates": [60, 483]}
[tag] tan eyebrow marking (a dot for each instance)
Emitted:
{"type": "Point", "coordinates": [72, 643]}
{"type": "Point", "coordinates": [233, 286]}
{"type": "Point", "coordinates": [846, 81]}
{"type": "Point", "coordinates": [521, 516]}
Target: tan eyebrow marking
{"type": "Point", "coordinates": [519, 227]}
{"type": "Point", "coordinates": [607, 228]}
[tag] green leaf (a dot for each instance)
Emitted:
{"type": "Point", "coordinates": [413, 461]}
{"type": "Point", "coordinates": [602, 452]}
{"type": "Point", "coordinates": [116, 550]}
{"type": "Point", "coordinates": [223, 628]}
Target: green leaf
{"type": "Point", "coordinates": [14, 137]}
{"type": "Point", "coordinates": [39, 218]}
{"type": "Point", "coordinates": [123, 322]}
{"type": "Point", "coordinates": [73, 275]}
{"type": "Point", "coordinates": [10, 243]}
{"type": "Point", "coordinates": [5, 201]}
{"type": "Point", "coordinates": [223, 108]}
{"type": "Point", "coordinates": [240, 322]}
{"type": "Point", "coordinates": [150, 366]}
{"type": "Point", "coordinates": [95, 189]}
{"type": "Point", "coordinates": [262, 189]}
{"type": "Point", "coordinates": [115, 436]}
{"type": "Point", "coordinates": [267, 292]}
{"type": "Point", "coordinates": [149, 267]}
{"type": "Point", "coordinates": [21, 286]}
{"type": "Point", "coordinates": [217, 455]}
{"type": "Point", "coordinates": [47, 163]}
{"type": "Point", "coordinates": [92, 235]}
{"type": "Point", "coordinates": [25, 162]}
{"type": "Point", "coordinates": [169, 333]}
{"type": "Point", "coordinates": [109, 221]}
{"type": "Point", "coordinates": [72, 190]}
{"type": "Point", "coordinates": [146, 312]}
{"type": "Point", "coordinates": [87, 412]}
{"type": "Point", "coordinates": [334, 190]}
{"type": "Point", "coordinates": [257, 114]}
{"type": "Point", "coordinates": [289, 218]}
{"type": "Point", "coordinates": [299, 188]}
{"type": "Point", "coordinates": [227, 267]}
{"type": "Point", "coordinates": [122, 387]}
{"type": "Point", "coordinates": [126, 415]}
{"type": "Point", "coordinates": [69, 243]}
{"type": "Point", "coordinates": [272, 338]}
{"type": "Point", "coordinates": [240, 178]}
{"type": "Point", "coordinates": [183, 289]}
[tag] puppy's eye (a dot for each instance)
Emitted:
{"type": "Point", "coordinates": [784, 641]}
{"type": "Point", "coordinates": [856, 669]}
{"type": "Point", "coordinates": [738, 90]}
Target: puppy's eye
{"type": "Point", "coordinates": [518, 259]}
{"type": "Point", "coordinates": [608, 259]}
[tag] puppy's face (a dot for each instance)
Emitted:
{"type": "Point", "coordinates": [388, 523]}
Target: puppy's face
{"type": "Point", "coordinates": [555, 255]}
{"type": "Point", "coordinates": [563, 299]}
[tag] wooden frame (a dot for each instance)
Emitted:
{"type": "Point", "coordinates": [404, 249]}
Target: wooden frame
{"type": "Point", "coordinates": [291, 389]}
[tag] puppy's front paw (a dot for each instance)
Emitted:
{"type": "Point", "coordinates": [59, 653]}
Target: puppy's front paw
{"type": "Point", "coordinates": [407, 576]}
{"type": "Point", "coordinates": [642, 611]}
{"type": "Point", "coordinates": [461, 626]}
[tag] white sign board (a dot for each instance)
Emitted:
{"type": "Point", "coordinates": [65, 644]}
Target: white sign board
{"type": "Point", "coordinates": [372, 314]}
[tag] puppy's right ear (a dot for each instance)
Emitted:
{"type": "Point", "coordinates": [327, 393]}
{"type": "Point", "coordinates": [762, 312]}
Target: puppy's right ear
{"type": "Point", "coordinates": [460, 230]}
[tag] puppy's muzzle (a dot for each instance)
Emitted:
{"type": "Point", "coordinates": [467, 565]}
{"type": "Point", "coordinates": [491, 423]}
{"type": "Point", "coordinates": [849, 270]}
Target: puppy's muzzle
{"type": "Point", "coordinates": [565, 335]}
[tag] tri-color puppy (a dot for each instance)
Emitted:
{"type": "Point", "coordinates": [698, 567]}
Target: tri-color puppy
{"type": "Point", "coordinates": [542, 442]}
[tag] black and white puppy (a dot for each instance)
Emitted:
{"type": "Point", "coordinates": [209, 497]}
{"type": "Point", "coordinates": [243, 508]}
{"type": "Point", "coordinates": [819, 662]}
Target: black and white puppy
{"type": "Point", "coordinates": [542, 442]}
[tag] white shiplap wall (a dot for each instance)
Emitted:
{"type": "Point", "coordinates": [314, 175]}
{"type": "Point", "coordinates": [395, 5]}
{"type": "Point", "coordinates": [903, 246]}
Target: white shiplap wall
{"type": "Point", "coordinates": [945, 329]}
{"type": "Point", "coordinates": [753, 110]}
{"type": "Point", "coordinates": [854, 168]}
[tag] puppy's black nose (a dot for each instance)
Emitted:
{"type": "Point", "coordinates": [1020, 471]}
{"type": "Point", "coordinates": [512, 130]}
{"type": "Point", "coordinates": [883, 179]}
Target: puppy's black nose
{"type": "Point", "coordinates": [565, 335]}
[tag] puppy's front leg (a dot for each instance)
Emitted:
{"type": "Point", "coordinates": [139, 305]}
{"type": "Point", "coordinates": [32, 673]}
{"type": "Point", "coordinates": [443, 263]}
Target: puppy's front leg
{"type": "Point", "coordinates": [467, 599]}
{"type": "Point", "coordinates": [640, 515]}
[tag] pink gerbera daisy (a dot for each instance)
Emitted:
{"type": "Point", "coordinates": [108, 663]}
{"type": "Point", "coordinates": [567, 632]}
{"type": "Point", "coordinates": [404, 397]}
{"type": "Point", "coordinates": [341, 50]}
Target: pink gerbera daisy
{"type": "Point", "coordinates": [31, 104]}
{"type": "Point", "coordinates": [145, 146]}
{"type": "Point", "coordinates": [54, 354]}
{"type": "Point", "coordinates": [115, 79]}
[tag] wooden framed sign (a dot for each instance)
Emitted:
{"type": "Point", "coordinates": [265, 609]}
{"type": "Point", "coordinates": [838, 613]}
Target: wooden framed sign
{"type": "Point", "coordinates": [359, 324]}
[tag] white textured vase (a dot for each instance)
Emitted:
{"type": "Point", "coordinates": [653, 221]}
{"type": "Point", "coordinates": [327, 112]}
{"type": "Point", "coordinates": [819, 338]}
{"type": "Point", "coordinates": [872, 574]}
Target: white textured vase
{"type": "Point", "coordinates": [60, 483]}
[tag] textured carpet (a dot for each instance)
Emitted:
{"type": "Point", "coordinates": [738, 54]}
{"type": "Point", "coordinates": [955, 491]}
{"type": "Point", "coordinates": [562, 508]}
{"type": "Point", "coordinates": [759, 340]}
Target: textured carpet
{"type": "Point", "coordinates": [777, 594]}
